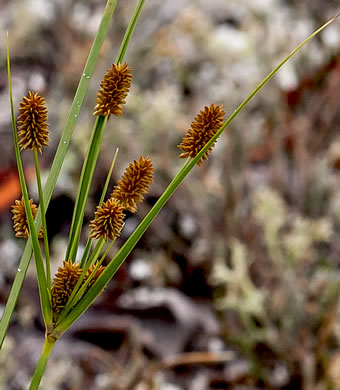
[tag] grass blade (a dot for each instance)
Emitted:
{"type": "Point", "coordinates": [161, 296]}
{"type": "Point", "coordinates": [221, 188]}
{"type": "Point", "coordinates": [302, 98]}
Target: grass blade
{"type": "Point", "coordinates": [42, 282]}
{"type": "Point", "coordinates": [84, 186]}
{"type": "Point", "coordinates": [89, 241]}
{"type": "Point", "coordinates": [78, 214]}
{"type": "Point", "coordinates": [122, 254]}
{"type": "Point", "coordinates": [129, 31]}
{"type": "Point", "coordinates": [43, 216]}
{"type": "Point", "coordinates": [58, 160]}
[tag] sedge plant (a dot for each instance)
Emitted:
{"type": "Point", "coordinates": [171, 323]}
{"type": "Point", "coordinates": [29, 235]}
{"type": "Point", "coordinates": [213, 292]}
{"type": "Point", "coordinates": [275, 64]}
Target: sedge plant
{"type": "Point", "coordinates": [76, 284]}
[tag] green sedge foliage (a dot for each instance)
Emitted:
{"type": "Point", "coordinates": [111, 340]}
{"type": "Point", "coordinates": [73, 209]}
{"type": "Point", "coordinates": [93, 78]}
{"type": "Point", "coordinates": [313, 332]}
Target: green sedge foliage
{"type": "Point", "coordinates": [89, 277]}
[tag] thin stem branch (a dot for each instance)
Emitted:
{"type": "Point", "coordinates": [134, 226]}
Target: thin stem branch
{"type": "Point", "coordinates": [40, 369]}
{"type": "Point", "coordinates": [125, 250]}
{"type": "Point", "coordinates": [43, 215]}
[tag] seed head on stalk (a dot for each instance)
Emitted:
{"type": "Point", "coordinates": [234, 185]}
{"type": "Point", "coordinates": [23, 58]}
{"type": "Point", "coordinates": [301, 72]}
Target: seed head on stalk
{"type": "Point", "coordinates": [20, 223]}
{"type": "Point", "coordinates": [203, 128]}
{"type": "Point", "coordinates": [32, 122]}
{"type": "Point", "coordinates": [134, 183]}
{"type": "Point", "coordinates": [114, 90]}
{"type": "Point", "coordinates": [108, 221]}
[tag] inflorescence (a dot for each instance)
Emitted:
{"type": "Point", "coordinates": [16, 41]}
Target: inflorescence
{"type": "Point", "coordinates": [203, 128]}
{"type": "Point", "coordinates": [32, 122]}
{"type": "Point", "coordinates": [65, 281]}
{"type": "Point", "coordinates": [20, 223]}
{"type": "Point", "coordinates": [114, 89]}
{"type": "Point", "coordinates": [134, 183]}
{"type": "Point", "coordinates": [109, 220]}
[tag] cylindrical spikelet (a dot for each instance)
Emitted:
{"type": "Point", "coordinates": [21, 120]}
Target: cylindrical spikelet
{"type": "Point", "coordinates": [134, 183]}
{"type": "Point", "coordinates": [114, 89]}
{"type": "Point", "coordinates": [20, 223]}
{"type": "Point", "coordinates": [108, 221]}
{"type": "Point", "coordinates": [95, 276]}
{"type": "Point", "coordinates": [63, 284]}
{"type": "Point", "coordinates": [32, 122]}
{"type": "Point", "coordinates": [203, 128]}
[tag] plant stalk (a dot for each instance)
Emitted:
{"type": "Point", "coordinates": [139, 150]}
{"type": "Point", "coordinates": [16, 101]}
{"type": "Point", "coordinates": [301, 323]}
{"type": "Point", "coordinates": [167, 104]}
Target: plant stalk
{"type": "Point", "coordinates": [40, 369]}
{"type": "Point", "coordinates": [43, 215]}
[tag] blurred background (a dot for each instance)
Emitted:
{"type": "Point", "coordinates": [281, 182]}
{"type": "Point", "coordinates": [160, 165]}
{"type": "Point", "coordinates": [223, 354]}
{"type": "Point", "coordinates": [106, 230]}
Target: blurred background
{"type": "Point", "coordinates": [236, 283]}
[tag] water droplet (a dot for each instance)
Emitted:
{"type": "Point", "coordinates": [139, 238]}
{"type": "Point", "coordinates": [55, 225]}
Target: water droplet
{"type": "Point", "coordinates": [19, 269]}
{"type": "Point", "coordinates": [64, 142]}
{"type": "Point", "coordinates": [87, 77]}
{"type": "Point", "coordinates": [75, 115]}
{"type": "Point", "coordinates": [84, 74]}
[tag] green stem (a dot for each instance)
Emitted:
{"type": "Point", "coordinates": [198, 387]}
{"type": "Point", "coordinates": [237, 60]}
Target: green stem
{"type": "Point", "coordinates": [89, 241]}
{"type": "Point", "coordinates": [42, 283]}
{"type": "Point", "coordinates": [58, 160]}
{"type": "Point", "coordinates": [90, 160]}
{"type": "Point", "coordinates": [43, 215]}
{"type": "Point", "coordinates": [124, 251]}
{"type": "Point", "coordinates": [84, 186]}
{"type": "Point", "coordinates": [81, 290]}
{"type": "Point", "coordinates": [129, 32]}
{"type": "Point", "coordinates": [93, 257]}
{"type": "Point", "coordinates": [40, 369]}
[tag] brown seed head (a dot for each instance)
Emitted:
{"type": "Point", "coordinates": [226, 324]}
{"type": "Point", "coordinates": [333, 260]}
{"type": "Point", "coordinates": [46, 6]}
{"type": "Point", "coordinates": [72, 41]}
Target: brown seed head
{"type": "Point", "coordinates": [95, 276]}
{"type": "Point", "coordinates": [134, 183]}
{"type": "Point", "coordinates": [20, 223]}
{"type": "Point", "coordinates": [203, 128]}
{"type": "Point", "coordinates": [32, 122]}
{"type": "Point", "coordinates": [114, 89]}
{"type": "Point", "coordinates": [109, 220]}
{"type": "Point", "coordinates": [63, 284]}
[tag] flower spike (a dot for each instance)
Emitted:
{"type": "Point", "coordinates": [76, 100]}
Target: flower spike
{"type": "Point", "coordinates": [114, 89]}
{"type": "Point", "coordinates": [109, 220]}
{"type": "Point", "coordinates": [20, 223]}
{"type": "Point", "coordinates": [94, 277]}
{"type": "Point", "coordinates": [63, 284]}
{"type": "Point", "coordinates": [65, 281]}
{"type": "Point", "coordinates": [203, 128]}
{"type": "Point", "coordinates": [32, 122]}
{"type": "Point", "coordinates": [134, 183]}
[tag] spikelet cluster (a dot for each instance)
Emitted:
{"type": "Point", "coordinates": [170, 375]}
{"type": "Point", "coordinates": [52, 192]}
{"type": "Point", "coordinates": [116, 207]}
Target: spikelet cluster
{"type": "Point", "coordinates": [108, 221]}
{"type": "Point", "coordinates": [63, 284]}
{"type": "Point", "coordinates": [203, 128]}
{"type": "Point", "coordinates": [114, 89]}
{"type": "Point", "coordinates": [95, 276]}
{"type": "Point", "coordinates": [65, 281]}
{"type": "Point", "coordinates": [134, 183]}
{"type": "Point", "coordinates": [32, 122]}
{"type": "Point", "coordinates": [20, 223]}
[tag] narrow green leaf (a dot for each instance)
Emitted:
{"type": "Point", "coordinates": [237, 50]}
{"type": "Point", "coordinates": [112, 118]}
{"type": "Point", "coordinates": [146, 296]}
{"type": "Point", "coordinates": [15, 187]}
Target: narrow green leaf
{"type": "Point", "coordinates": [78, 214]}
{"type": "Point", "coordinates": [94, 256]}
{"type": "Point", "coordinates": [129, 32]}
{"type": "Point", "coordinates": [89, 241]}
{"type": "Point", "coordinates": [122, 254]}
{"type": "Point", "coordinates": [84, 186]}
{"type": "Point", "coordinates": [79, 288]}
{"type": "Point", "coordinates": [58, 160]}
{"type": "Point", "coordinates": [40, 368]}
{"type": "Point", "coordinates": [42, 283]}
{"type": "Point", "coordinates": [43, 215]}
